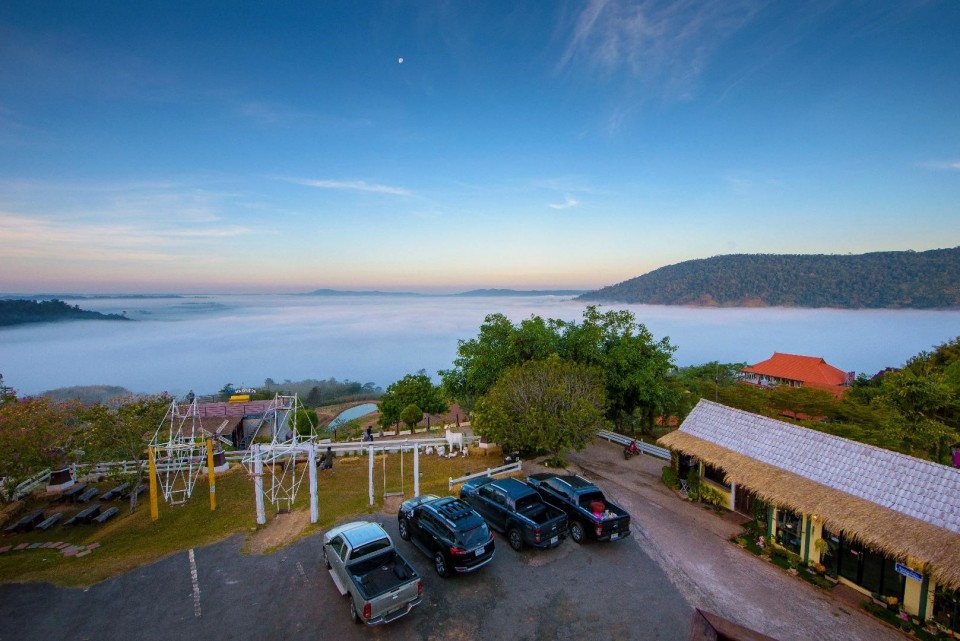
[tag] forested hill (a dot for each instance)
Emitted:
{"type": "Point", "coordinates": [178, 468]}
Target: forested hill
{"type": "Point", "coordinates": [907, 279]}
{"type": "Point", "coordinates": [19, 312]}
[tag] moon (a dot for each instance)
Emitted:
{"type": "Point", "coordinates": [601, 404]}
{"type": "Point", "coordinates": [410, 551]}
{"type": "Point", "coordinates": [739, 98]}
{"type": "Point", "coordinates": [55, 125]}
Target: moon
{"type": "Point", "coordinates": [400, 61]}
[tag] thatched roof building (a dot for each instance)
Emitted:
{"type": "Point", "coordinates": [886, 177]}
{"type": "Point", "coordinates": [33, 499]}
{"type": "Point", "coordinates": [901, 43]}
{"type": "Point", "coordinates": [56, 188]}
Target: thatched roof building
{"type": "Point", "coordinates": [907, 508]}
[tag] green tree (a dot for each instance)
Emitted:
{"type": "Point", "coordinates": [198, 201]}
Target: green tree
{"type": "Point", "coordinates": [634, 366]}
{"type": "Point", "coordinates": [120, 431]}
{"type": "Point", "coordinates": [306, 421]}
{"type": "Point", "coordinates": [546, 406]}
{"type": "Point", "coordinates": [413, 389]}
{"type": "Point", "coordinates": [411, 415]}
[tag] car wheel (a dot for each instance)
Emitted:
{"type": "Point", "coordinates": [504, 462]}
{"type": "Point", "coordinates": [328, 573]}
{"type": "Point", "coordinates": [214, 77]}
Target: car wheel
{"type": "Point", "coordinates": [515, 539]}
{"type": "Point", "coordinates": [440, 565]}
{"type": "Point", "coordinates": [576, 532]}
{"type": "Point", "coordinates": [326, 561]}
{"type": "Point", "coordinates": [404, 530]}
{"type": "Point", "coordinates": [354, 615]}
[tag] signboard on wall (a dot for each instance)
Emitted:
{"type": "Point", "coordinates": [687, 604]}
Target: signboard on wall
{"type": "Point", "coordinates": [907, 572]}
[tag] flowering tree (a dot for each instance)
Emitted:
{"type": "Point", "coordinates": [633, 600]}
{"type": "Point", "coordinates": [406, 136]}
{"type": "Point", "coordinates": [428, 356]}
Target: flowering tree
{"type": "Point", "coordinates": [120, 430]}
{"type": "Point", "coordinates": [34, 436]}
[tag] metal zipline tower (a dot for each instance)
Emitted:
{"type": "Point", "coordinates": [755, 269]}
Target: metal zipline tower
{"type": "Point", "coordinates": [289, 445]}
{"type": "Point", "coordinates": [179, 448]}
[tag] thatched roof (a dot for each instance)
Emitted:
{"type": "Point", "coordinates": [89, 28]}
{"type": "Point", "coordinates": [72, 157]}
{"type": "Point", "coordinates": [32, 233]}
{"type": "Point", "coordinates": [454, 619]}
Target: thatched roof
{"type": "Point", "coordinates": [894, 533]}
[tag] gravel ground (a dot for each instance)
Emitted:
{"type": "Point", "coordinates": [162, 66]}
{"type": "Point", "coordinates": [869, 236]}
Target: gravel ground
{"type": "Point", "coordinates": [691, 544]}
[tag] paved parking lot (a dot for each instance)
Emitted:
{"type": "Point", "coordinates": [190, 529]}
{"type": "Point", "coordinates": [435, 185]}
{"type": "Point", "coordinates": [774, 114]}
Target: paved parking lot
{"type": "Point", "coordinates": [640, 588]}
{"type": "Point", "coordinates": [596, 591]}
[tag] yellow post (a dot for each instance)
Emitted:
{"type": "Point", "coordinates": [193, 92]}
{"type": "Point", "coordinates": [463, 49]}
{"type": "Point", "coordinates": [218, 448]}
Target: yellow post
{"type": "Point", "coordinates": [154, 509]}
{"type": "Point", "coordinates": [211, 476]}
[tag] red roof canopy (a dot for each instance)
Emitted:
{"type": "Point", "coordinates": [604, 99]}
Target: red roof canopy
{"type": "Point", "coordinates": [809, 370]}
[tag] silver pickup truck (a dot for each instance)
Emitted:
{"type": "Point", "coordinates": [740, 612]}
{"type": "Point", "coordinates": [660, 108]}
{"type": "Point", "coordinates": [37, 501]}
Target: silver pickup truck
{"type": "Point", "coordinates": [363, 563]}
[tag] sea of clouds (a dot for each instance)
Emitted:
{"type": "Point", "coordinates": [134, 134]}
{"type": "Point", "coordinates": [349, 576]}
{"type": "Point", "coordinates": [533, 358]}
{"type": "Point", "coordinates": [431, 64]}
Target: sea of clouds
{"type": "Point", "coordinates": [203, 342]}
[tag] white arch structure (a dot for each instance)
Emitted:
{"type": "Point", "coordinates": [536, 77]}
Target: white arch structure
{"type": "Point", "coordinates": [290, 453]}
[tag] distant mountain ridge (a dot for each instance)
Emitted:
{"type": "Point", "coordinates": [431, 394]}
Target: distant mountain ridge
{"type": "Point", "coordinates": [472, 292]}
{"type": "Point", "coordinates": [899, 279]}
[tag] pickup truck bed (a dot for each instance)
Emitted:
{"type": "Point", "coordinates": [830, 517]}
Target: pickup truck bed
{"type": "Point", "coordinates": [592, 515]}
{"type": "Point", "coordinates": [380, 574]}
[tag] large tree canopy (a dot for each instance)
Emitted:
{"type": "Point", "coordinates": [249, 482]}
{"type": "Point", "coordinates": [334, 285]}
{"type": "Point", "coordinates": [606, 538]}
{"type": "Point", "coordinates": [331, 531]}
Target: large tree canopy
{"type": "Point", "coordinates": [632, 364]}
{"type": "Point", "coordinates": [413, 389]}
{"type": "Point", "coordinates": [542, 406]}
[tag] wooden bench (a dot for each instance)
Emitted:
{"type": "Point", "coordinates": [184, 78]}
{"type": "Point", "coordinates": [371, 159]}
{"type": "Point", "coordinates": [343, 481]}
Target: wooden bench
{"type": "Point", "coordinates": [26, 522]}
{"type": "Point", "coordinates": [88, 495]}
{"type": "Point", "coordinates": [49, 522]}
{"type": "Point", "coordinates": [84, 515]}
{"type": "Point", "coordinates": [107, 515]}
{"type": "Point", "coordinates": [115, 492]}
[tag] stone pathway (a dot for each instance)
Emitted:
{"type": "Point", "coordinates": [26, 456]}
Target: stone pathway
{"type": "Point", "coordinates": [67, 549]}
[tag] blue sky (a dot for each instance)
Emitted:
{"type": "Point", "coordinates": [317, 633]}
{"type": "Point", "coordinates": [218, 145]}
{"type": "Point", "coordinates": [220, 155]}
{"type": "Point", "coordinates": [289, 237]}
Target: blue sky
{"type": "Point", "coordinates": [248, 147]}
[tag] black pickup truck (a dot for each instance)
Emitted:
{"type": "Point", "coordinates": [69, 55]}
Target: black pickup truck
{"type": "Point", "coordinates": [516, 509]}
{"type": "Point", "coordinates": [591, 514]}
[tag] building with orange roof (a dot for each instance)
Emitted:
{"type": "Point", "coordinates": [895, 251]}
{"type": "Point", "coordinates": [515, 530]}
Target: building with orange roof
{"type": "Point", "coordinates": [797, 371]}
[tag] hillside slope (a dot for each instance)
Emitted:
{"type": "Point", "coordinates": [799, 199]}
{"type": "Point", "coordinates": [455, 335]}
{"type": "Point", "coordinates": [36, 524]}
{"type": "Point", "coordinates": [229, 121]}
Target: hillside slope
{"type": "Point", "coordinates": [905, 279]}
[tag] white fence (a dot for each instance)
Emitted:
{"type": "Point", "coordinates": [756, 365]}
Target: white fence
{"type": "Point", "coordinates": [490, 471]}
{"type": "Point", "coordinates": [647, 448]}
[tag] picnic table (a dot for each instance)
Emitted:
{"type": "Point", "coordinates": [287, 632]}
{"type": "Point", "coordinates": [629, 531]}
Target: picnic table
{"type": "Point", "coordinates": [71, 494]}
{"type": "Point", "coordinates": [84, 515]}
{"type": "Point", "coordinates": [140, 489]}
{"type": "Point", "coordinates": [115, 492]}
{"type": "Point", "coordinates": [89, 494]}
{"type": "Point", "coordinates": [49, 522]}
{"type": "Point", "coordinates": [26, 522]}
{"type": "Point", "coordinates": [107, 515]}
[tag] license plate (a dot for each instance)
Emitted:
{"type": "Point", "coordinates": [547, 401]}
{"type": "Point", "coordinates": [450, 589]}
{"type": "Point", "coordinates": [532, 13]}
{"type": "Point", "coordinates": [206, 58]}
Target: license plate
{"type": "Point", "coordinates": [614, 536]}
{"type": "Point", "coordinates": [478, 552]}
{"type": "Point", "coordinates": [554, 539]}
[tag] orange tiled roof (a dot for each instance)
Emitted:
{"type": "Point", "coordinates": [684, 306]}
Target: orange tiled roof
{"type": "Point", "coordinates": [810, 370]}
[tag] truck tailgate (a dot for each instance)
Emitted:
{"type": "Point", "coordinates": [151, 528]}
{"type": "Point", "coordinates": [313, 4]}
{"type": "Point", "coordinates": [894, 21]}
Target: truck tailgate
{"type": "Point", "coordinates": [395, 603]}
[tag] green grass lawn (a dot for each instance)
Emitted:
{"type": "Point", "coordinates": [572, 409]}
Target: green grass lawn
{"type": "Point", "coordinates": [130, 540]}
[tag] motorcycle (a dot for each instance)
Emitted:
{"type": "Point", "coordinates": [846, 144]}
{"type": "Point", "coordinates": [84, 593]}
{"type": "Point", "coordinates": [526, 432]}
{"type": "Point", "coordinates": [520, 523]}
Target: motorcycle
{"type": "Point", "coordinates": [630, 450]}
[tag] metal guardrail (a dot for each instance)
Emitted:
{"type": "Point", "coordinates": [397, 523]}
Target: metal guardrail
{"type": "Point", "coordinates": [490, 471]}
{"type": "Point", "coordinates": [646, 448]}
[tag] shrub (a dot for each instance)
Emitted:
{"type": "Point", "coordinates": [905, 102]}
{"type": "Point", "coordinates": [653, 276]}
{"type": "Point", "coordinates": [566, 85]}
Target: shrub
{"type": "Point", "coordinates": [669, 477]}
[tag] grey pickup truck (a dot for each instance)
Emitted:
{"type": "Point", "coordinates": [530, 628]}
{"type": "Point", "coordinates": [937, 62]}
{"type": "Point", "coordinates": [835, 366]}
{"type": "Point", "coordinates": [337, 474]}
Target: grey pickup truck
{"type": "Point", "coordinates": [363, 563]}
{"type": "Point", "coordinates": [516, 509]}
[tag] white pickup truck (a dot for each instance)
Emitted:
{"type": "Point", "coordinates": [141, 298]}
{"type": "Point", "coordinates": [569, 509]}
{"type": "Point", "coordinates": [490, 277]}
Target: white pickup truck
{"type": "Point", "coordinates": [363, 563]}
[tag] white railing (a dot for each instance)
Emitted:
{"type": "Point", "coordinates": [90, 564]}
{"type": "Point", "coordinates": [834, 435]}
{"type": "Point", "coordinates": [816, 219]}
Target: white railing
{"type": "Point", "coordinates": [31, 484]}
{"type": "Point", "coordinates": [647, 448]}
{"type": "Point", "coordinates": [517, 466]}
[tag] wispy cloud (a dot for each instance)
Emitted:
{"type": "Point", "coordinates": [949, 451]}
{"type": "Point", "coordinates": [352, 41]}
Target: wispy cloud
{"type": "Point", "coordinates": [354, 185]}
{"type": "Point", "coordinates": [664, 43]}
{"type": "Point", "coordinates": [567, 203]}
{"type": "Point", "coordinates": [942, 165]}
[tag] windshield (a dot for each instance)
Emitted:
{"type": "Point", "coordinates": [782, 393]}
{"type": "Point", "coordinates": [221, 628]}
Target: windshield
{"type": "Point", "coordinates": [369, 548]}
{"type": "Point", "coordinates": [468, 539]}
